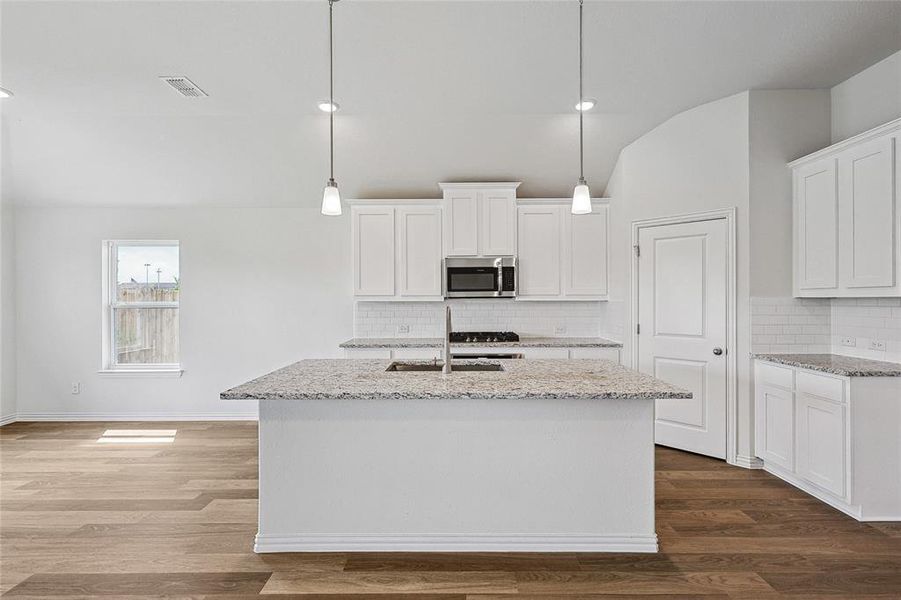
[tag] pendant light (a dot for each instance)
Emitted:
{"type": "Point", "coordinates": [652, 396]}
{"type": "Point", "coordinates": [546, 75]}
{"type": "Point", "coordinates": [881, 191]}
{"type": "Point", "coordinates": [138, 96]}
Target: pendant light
{"type": "Point", "coordinates": [331, 198]}
{"type": "Point", "coordinates": [581, 193]}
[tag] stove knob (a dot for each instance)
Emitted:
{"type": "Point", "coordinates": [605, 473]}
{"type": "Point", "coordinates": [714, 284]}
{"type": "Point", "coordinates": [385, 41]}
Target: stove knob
{"type": "Point", "coordinates": [468, 339]}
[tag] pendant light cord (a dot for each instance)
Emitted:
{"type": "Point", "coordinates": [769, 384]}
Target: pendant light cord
{"type": "Point", "coordinates": [331, 96]}
{"type": "Point", "coordinates": [581, 106]}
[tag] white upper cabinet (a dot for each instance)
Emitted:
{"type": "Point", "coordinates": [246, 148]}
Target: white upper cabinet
{"type": "Point", "coordinates": [867, 215]}
{"type": "Point", "coordinates": [419, 256]}
{"type": "Point", "coordinates": [846, 217]}
{"type": "Point", "coordinates": [373, 250]}
{"type": "Point", "coordinates": [816, 223]}
{"type": "Point", "coordinates": [397, 251]}
{"type": "Point", "coordinates": [479, 219]}
{"type": "Point", "coordinates": [562, 256]}
{"type": "Point", "coordinates": [585, 252]}
{"type": "Point", "coordinates": [540, 234]}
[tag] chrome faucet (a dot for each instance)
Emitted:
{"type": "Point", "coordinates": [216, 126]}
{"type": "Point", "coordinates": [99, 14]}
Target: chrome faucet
{"type": "Point", "coordinates": [447, 336]}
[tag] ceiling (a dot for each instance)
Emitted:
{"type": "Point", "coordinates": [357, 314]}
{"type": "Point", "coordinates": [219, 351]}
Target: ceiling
{"type": "Point", "coordinates": [430, 91]}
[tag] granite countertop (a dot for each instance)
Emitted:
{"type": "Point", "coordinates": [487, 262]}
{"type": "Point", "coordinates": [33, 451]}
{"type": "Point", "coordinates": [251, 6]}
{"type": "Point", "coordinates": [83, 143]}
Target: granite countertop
{"type": "Point", "coordinates": [524, 342]}
{"type": "Point", "coordinates": [837, 364]}
{"type": "Point", "coordinates": [332, 379]}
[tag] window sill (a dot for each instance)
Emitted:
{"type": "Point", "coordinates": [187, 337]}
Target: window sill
{"type": "Point", "coordinates": [149, 373]}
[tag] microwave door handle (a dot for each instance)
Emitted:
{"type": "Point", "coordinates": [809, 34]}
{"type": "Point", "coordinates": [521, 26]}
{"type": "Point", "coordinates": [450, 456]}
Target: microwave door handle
{"type": "Point", "coordinates": [500, 280]}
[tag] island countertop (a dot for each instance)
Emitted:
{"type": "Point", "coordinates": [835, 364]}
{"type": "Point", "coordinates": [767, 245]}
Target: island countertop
{"type": "Point", "coordinates": [524, 342]}
{"type": "Point", "coordinates": [334, 379]}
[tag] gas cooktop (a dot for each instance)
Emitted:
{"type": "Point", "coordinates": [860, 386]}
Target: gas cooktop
{"type": "Point", "coordinates": [482, 337]}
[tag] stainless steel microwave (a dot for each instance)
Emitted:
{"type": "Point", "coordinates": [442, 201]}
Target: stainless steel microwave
{"type": "Point", "coordinates": [493, 277]}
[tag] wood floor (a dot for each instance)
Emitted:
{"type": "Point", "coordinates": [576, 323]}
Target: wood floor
{"type": "Point", "coordinates": [80, 519]}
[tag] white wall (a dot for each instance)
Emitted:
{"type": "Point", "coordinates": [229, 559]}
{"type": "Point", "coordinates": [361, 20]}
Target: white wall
{"type": "Point", "coordinates": [869, 98]}
{"type": "Point", "coordinates": [261, 288]}
{"type": "Point", "coordinates": [7, 315]}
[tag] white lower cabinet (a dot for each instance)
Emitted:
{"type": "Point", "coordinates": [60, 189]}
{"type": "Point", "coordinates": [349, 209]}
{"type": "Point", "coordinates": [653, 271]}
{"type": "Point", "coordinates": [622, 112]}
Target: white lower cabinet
{"type": "Point", "coordinates": [821, 443]}
{"type": "Point", "coordinates": [834, 437]}
{"type": "Point", "coordinates": [775, 426]}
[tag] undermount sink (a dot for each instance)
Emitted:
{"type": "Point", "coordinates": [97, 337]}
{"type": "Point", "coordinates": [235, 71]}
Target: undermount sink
{"type": "Point", "coordinates": [437, 367]}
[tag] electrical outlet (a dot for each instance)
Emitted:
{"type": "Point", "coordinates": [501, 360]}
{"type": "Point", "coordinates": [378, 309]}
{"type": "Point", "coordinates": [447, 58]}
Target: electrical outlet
{"type": "Point", "coordinates": [76, 387]}
{"type": "Point", "coordinates": [877, 345]}
{"type": "Point", "coordinates": [849, 341]}
{"type": "Point", "coordinates": [403, 328]}
{"type": "Point", "coordinates": [559, 329]}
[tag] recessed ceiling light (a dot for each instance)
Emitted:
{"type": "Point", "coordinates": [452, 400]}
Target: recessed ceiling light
{"type": "Point", "coordinates": [327, 107]}
{"type": "Point", "coordinates": [586, 104]}
{"type": "Point", "coordinates": [5, 93]}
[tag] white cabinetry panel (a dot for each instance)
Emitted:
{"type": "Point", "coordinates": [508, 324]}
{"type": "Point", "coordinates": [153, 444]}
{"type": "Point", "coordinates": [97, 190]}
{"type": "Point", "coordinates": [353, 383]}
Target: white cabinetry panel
{"type": "Point", "coordinates": [585, 253]}
{"type": "Point", "coordinates": [846, 217]}
{"type": "Point", "coordinates": [373, 237]}
{"type": "Point", "coordinates": [461, 222]}
{"type": "Point", "coordinates": [396, 251]}
{"type": "Point", "coordinates": [867, 212]}
{"type": "Point", "coordinates": [419, 259]}
{"type": "Point", "coordinates": [821, 442]}
{"type": "Point", "coordinates": [539, 250]}
{"type": "Point", "coordinates": [816, 219]}
{"type": "Point", "coordinates": [497, 235]}
{"type": "Point", "coordinates": [775, 436]}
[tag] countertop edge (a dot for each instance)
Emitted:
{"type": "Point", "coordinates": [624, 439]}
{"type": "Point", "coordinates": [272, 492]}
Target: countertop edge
{"type": "Point", "coordinates": [832, 370]}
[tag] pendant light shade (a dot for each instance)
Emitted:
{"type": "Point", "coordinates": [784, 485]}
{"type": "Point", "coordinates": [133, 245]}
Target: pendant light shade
{"type": "Point", "coordinates": [331, 198]}
{"type": "Point", "coordinates": [581, 194]}
{"type": "Point", "coordinates": [581, 198]}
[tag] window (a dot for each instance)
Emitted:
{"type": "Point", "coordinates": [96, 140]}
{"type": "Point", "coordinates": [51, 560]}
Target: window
{"type": "Point", "coordinates": [140, 306]}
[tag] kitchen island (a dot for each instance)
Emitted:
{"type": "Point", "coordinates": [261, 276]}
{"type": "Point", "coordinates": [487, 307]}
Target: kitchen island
{"type": "Point", "coordinates": [537, 455]}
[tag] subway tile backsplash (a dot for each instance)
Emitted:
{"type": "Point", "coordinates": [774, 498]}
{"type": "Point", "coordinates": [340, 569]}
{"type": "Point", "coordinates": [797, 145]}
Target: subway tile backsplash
{"type": "Point", "coordinates": [847, 326]}
{"type": "Point", "coordinates": [426, 319]}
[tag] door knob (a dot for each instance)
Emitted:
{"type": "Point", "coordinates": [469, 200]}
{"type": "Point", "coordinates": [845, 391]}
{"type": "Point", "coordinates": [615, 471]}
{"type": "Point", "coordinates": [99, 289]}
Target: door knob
{"type": "Point", "coordinates": [717, 351]}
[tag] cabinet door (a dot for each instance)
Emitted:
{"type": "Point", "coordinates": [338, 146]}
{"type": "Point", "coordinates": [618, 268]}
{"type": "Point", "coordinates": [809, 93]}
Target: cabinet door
{"type": "Point", "coordinates": [816, 227]}
{"type": "Point", "coordinates": [498, 227]}
{"type": "Point", "coordinates": [775, 431]}
{"type": "Point", "coordinates": [461, 223]}
{"type": "Point", "coordinates": [585, 253]}
{"type": "Point", "coordinates": [539, 250]}
{"type": "Point", "coordinates": [821, 443]}
{"type": "Point", "coordinates": [542, 353]}
{"type": "Point", "coordinates": [867, 225]}
{"type": "Point", "coordinates": [419, 259]}
{"type": "Point", "coordinates": [373, 251]}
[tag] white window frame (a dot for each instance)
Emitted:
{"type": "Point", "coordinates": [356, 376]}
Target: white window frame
{"type": "Point", "coordinates": [110, 303]}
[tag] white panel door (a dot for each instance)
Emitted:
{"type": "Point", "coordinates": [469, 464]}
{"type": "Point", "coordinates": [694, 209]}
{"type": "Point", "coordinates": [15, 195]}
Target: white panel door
{"type": "Point", "coordinates": [585, 253]}
{"type": "Point", "coordinates": [373, 250]}
{"type": "Point", "coordinates": [816, 223]}
{"type": "Point", "coordinates": [821, 442]}
{"type": "Point", "coordinates": [461, 223]}
{"type": "Point", "coordinates": [774, 426]}
{"type": "Point", "coordinates": [539, 250]}
{"type": "Point", "coordinates": [419, 259]}
{"type": "Point", "coordinates": [867, 215]}
{"type": "Point", "coordinates": [682, 291]}
{"type": "Point", "coordinates": [498, 227]}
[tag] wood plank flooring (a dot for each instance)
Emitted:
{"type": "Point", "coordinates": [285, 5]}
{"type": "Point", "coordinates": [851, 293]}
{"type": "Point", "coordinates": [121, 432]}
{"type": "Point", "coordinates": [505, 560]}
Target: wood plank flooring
{"type": "Point", "coordinates": [80, 519]}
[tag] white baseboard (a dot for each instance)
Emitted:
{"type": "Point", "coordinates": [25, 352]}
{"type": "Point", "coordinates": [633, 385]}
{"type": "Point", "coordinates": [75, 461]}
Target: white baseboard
{"type": "Point", "coordinates": [453, 543]}
{"type": "Point", "coordinates": [748, 462]}
{"type": "Point", "coordinates": [154, 416]}
{"type": "Point", "coordinates": [7, 419]}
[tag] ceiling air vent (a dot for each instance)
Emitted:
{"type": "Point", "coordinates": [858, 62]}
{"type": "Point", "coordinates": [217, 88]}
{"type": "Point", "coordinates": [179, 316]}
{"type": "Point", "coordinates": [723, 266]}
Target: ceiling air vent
{"type": "Point", "coordinates": [184, 86]}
